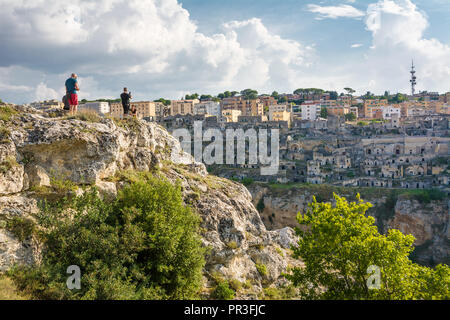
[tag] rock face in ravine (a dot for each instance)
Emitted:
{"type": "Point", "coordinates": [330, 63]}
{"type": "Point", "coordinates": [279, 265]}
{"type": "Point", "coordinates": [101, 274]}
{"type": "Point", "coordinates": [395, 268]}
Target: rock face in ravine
{"type": "Point", "coordinates": [428, 223]}
{"type": "Point", "coordinates": [39, 150]}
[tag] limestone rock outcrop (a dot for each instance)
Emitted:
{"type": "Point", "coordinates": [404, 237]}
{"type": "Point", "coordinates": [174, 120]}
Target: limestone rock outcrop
{"type": "Point", "coordinates": [42, 150]}
{"type": "Point", "coordinates": [428, 223]}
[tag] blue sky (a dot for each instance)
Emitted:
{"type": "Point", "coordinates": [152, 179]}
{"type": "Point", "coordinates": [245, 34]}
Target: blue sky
{"type": "Point", "coordinates": [292, 19]}
{"type": "Point", "coordinates": [169, 48]}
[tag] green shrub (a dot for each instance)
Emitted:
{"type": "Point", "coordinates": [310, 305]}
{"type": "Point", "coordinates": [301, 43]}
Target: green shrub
{"type": "Point", "coordinates": [247, 181]}
{"type": "Point", "coordinates": [427, 195]}
{"type": "Point", "coordinates": [223, 292]}
{"type": "Point", "coordinates": [4, 133]}
{"type": "Point", "coordinates": [262, 269]}
{"type": "Point", "coordinates": [7, 112]}
{"type": "Point", "coordinates": [143, 245]}
{"type": "Point", "coordinates": [232, 245]}
{"type": "Point", "coordinates": [22, 228]}
{"type": "Point", "coordinates": [8, 164]}
{"type": "Point", "coordinates": [235, 284]}
{"type": "Point", "coordinates": [260, 205]}
{"type": "Point", "coordinates": [272, 293]}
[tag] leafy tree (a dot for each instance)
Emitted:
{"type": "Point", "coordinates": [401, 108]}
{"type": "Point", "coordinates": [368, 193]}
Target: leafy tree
{"type": "Point", "coordinates": [143, 245]}
{"type": "Point", "coordinates": [282, 99]}
{"type": "Point", "coordinates": [275, 95]}
{"type": "Point", "coordinates": [398, 98]}
{"type": "Point", "coordinates": [249, 94]}
{"type": "Point", "coordinates": [369, 96]}
{"type": "Point", "coordinates": [308, 91]}
{"type": "Point", "coordinates": [227, 94]}
{"type": "Point", "coordinates": [333, 95]}
{"type": "Point", "coordinates": [192, 96]}
{"type": "Point", "coordinates": [350, 116]}
{"type": "Point", "coordinates": [350, 91]}
{"type": "Point", "coordinates": [163, 101]}
{"type": "Point", "coordinates": [324, 112]}
{"type": "Point", "coordinates": [341, 243]}
{"type": "Point", "coordinates": [206, 97]}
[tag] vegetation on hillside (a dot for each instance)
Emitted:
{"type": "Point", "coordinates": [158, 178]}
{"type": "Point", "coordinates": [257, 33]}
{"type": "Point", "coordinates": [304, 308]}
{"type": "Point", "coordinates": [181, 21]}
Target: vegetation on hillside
{"type": "Point", "coordinates": [143, 245]}
{"type": "Point", "coordinates": [343, 253]}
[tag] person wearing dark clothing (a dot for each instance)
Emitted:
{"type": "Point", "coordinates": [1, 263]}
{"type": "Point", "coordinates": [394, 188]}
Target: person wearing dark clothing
{"type": "Point", "coordinates": [133, 111]}
{"type": "Point", "coordinates": [65, 100]}
{"type": "Point", "coordinates": [126, 97]}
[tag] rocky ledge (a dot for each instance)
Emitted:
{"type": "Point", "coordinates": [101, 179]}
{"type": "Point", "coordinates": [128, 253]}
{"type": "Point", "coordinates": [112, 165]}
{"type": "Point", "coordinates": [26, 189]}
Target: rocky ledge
{"type": "Point", "coordinates": [37, 150]}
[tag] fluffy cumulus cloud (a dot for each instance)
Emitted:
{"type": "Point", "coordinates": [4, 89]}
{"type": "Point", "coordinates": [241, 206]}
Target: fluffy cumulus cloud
{"type": "Point", "coordinates": [151, 45]}
{"type": "Point", "coordinates": [154, 48]}
{"type": "Point", "coordinates": [397, 28]}
{"type": "Point", "coordinates": [334, 12]}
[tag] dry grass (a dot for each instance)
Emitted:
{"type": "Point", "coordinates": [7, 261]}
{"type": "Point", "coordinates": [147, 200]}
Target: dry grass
{"type": "Point", "coordinates": [86, 115]}
{"type": "Point", "coordinates": [7, 112]}
{"type": "Point", "coordinates": [8, 290]}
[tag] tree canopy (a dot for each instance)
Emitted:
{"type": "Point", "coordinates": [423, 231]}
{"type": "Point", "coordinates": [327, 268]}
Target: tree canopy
{"type": "Point", "coordinates": [309, 91]}
{"type": "Point", "coordinates": [192, 96]}
{"type": "Point", "coordinates": [163, 101]}
{"type": "Point", "coordinates": [343, 252]}
{"type": "Point", "coordinates": [249, 94]}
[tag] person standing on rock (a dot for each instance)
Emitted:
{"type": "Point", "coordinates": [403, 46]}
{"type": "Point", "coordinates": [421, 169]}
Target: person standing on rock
{"type": "Point", "coordinates": [126, 97]}
{"type": "Point", "coordinates": [72, 89]}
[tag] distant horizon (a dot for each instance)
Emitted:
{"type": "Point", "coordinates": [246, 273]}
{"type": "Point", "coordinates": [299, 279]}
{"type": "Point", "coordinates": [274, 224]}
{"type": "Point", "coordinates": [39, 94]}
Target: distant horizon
{"type": "Point", "coordinates": [215, 95]}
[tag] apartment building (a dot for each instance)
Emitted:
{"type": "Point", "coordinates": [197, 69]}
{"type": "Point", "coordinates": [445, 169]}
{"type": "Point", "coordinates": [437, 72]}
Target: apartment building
{"type": "Point", "coordinates": [310, 110]}
{"type": "Point", "coordinates": [99, 107]}
{"type": "Point", "coordinates": [280, 116]}
{"type": "Point", "coordinates": [268, 101]}
{"type": "Point", "coordinates": [144, 109]}
{"type": "Point", "coordinates": [211, 108]}
{"type": "Point", "coordinates": [252, 107]}
{"type": "Point", "coordinates": [231, 115]}
{"type": "Point", "coordinates": [161, 109]}
{"type": "Point", "coordinates": [389, 112]}
{"type": "Point", "coordinates": [338, 110]}
{"type": "Point", "coordinates": [183, 107]}
{"type": "Point", "coordinates": [372, 106]}
{"type": "Point", "coordinates": [47, 104]}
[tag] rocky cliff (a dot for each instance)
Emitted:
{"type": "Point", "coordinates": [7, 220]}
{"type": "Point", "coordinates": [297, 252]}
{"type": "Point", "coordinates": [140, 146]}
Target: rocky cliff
{"type": "Point", "coordinates": [39, 152]}
{"type": "Point", "coordinates": [427, 222]}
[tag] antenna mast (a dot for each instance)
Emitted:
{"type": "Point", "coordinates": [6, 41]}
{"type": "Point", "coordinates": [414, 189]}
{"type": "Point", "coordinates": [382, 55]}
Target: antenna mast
{"type": "Point", "coordinates": [413, 79]}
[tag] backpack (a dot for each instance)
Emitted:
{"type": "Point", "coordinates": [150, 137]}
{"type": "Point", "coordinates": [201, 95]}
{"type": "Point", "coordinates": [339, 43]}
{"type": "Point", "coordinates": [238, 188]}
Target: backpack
{"type": "Point", "coordinates": [65, 100]}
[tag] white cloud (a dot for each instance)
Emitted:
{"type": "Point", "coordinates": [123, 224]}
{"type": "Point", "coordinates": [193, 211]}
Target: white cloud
{"type": "Point", "coordinates": [154, 48]}
{"type": "Point", "coordinates": [151, 45]}
{"type": "Point", "coordinates": [43, 92]}
{"type": "Point", "coordinates": [356, 45]}
{"type": "Point", "coordinates": [397, 29]}
{"type": "Point", "coordinates": [334, 12]}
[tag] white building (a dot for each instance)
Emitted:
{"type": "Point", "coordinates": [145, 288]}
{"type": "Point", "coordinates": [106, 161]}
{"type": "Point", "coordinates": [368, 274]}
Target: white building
{"type": "Point", "coordinates": [99, 107]}
{"type": "Point", "coordinates": [208, 107]}
{"type": "Point", "coordinates": [389, 111]}
{"type": "Point", "coordinates": [310, 111]}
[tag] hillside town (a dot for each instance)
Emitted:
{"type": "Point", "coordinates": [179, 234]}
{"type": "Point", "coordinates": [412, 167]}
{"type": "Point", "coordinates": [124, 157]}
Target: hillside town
{"type": "Point", "coordinates": [394, 141]}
